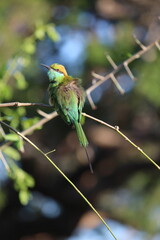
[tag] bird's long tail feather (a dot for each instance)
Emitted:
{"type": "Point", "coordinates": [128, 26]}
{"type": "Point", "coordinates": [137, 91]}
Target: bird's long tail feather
{"type": "Point", "coordinates": [89, 161]}
{"type": "Point", "coordinates": [81, 135]}
{"type": "Point", "coordinates": [83, 141]}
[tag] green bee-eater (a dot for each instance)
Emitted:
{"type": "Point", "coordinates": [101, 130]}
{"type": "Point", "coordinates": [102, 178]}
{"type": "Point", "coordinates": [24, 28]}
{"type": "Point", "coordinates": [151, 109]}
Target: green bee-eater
{"type": "Point", "coordinates": [67, 97]}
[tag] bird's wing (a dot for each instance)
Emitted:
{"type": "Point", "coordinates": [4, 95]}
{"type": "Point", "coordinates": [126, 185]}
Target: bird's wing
{"type": "Point", "coordinates": [70, 99]}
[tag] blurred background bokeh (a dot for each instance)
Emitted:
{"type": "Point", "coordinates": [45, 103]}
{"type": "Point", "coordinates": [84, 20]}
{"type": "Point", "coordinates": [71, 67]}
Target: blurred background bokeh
{"type": "Point", "coordinates": [125, 187]}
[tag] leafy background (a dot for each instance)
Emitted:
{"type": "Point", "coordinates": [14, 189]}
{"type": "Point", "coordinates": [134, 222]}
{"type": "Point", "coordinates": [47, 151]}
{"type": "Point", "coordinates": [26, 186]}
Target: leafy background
{"type": "Point", "coordinates": [35, 201]}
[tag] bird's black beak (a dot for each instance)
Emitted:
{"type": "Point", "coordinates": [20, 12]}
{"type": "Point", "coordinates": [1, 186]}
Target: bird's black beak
{"type": "Point", "coordinates": [48, 67]}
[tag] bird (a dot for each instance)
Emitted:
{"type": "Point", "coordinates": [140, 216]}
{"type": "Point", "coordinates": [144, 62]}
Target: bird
{"type": "Point", "coordinates": [67, 97]}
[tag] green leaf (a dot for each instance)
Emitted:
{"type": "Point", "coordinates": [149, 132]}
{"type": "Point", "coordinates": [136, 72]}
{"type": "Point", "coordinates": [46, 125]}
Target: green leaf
{"type": "Point", "coordinates": [20, 80]}
{"type": "Point", "coordinates": [40, 33]}
{"type": "Point", "coordinates": [148, 83]}
{"type": "Point", "coordinates": [15, 121]}
{"type": "Point", "coordinates": [21, 111]}
{"type": "Point", "coordinates": [12, 153]}
{"type": "Point", "coordinates": [24, 197]}
{"type": "Point", "coordinates": [29, 180]}
{"type": "Point", "coordinates": [12, 137]}
{"type": "Point", "coordinates": [6, 91]}
{"type": "Point", "coordinates": [52, 33]}
{"type": "Point", "coordinates": [28, 122]}
{"type": "Point", "coordinates": [8, 118]}
{"type": "Point", "coordinates": [20, 145]}
{"type": "Point", "coordinates": [22, 182]}
{"type": "Point", "coordinates": [29, 46]}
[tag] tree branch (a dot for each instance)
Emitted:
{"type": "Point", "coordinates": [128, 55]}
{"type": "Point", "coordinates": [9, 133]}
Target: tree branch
{"type": "Point", "coordinates": [59, 170]}
{"type": "Point", "coordinates": [19, 104]}
{"type": "Point", "coordinates": [116, 128]}
{"type": "Point", "coordinates": [101, 79]}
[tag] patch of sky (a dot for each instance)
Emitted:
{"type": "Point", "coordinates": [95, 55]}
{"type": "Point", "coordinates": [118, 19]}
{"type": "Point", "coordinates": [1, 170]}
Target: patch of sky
{"type": "Point", "coordinates": [121, 231]}
{"type": "Point", "coordinates": [69, 51]}
{"type": "Point", "coordinates": [105, 32]}
{"type": "Point", "coordinates": [73, 50]}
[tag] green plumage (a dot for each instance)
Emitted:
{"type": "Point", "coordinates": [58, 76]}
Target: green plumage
{"type": "Point", "coordinates": [68, 100]}
{"type": "Point", "coordinates": [67, 97]}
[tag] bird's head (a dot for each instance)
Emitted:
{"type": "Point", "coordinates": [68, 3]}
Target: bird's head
{"type": "Point", "coordinates": [56, 73]}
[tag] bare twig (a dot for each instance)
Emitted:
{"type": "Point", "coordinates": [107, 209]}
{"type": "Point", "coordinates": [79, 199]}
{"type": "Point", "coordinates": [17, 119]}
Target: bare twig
{"type": "Point", "coordinates": [129, 71]}
{"type": "Point", "coordinates": [54, 114]}
{"type": "Point", "coordinates": [116, 83]}
{"type": "Point", "coordinates": [59, 170]}
{"type": "Point", "coordinates": [19, 104]}
{"type": "Point", "coordinates": [110, 60]}
{"type": "Point", "coordinates": [139, 43]}
{"type": "Point", "coordinates": [40, 123]}
{"type": "Point", "coordinates": [101, 79]}
{"type": "Point", "coordinates": [50, 152]}
{"type": "Point", "coordinates": [116, 128]}
{"type": "Point", "coordinates": [44, 114]}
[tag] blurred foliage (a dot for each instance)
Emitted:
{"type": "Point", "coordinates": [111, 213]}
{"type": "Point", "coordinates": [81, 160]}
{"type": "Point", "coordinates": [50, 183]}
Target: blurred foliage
{"type": "Point", "coordinates": [149, 81]}
{"type": "Point", "coordinates": [49, 32]}
{"type": "Point", "coordinates": [16, 25]}
{"type": "Point", "coordinates": [135, 198]}
{"type": "Point", "coordinates": [22, 182]}
{"type": "Point", "coordinates": [18, 55]}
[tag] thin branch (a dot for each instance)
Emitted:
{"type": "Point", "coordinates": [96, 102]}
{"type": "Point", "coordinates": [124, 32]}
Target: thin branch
{"type": "Point", "coordinates": [59, 170]}
{"type": "Point", "coordinates": [101, 79]}
{"type": "Point", "coordinates": [97, 76]}
{"type": "Point", "coordinates": [90, 100]}
{"type": "Point", "coordinates": [110, 60]}
{"type": "Point", "coordinates": [129, 71]}
{"type": "Point", "coordinates": [139, 43]}
{"type": "Point", "coordinates": [19, 104]}
{"type": "Point", "coordinates": [116, 83]}
{"type": "Point", "coordinates": [40, 123]}
{"type": "Point", "coordinates": [44, 114]}
{"type": "Point", "coordinates": [116, 128]}
{"type": "Point", "coordinates": [50, 152]}
{"type": "Point", "coordinates": [54, 114]}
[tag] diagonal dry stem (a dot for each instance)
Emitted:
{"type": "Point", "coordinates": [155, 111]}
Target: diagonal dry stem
{"type": "Point", "coordinates": [59, 170]}
{"type": "Point", "coordinates": [116, 128]}
{"type": "Point", "coordinates": [116, 68]}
